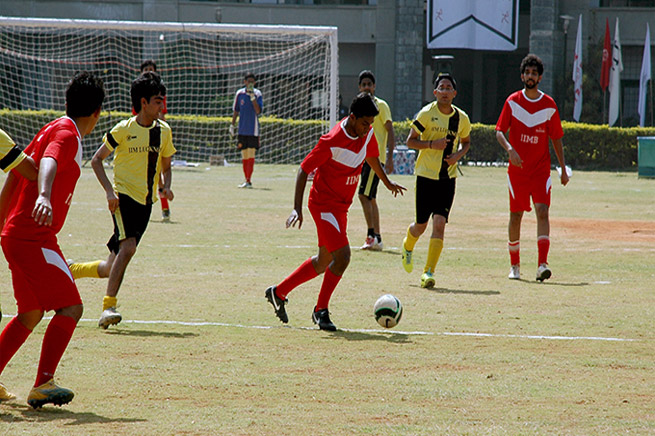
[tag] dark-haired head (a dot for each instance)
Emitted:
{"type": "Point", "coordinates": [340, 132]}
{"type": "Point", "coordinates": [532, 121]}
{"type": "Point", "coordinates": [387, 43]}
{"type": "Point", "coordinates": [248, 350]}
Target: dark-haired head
{"type": "Point", "coordinates": [363, 105]}
{"type": "Point", "coordinates": [366, 74]}
{"type": "Point", "coordinates": [147, 85]}
{"type": "Point", "coordinates": [84, 95]}
{"type": "Point", "coordinates": [445, 76]}
{"type": "Point", "coordinates": [532, 60]}
{"type": "Point", "coordinates": [148, 65]}
{"type": "Point", "coordinates": [250, 75]}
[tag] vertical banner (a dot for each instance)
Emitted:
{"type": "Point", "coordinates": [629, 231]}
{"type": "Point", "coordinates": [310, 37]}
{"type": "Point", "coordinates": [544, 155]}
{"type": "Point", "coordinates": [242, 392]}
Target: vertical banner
{"type": "Point", "coordinates": [615, 77]}
{"type": "Point", "coordinates": [607, 58]}
{"type": "Point", "coordinates": [473, 24]}
{"type": "Point", "coordinates": [644, 77]}
{"type": "Point", "coordinates": [577, 73]}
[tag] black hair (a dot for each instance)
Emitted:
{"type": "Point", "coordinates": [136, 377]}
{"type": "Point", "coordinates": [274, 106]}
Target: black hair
{"type": "Point", "coordinates": [532, 60]}
{"type": "Point", "coordinates": [148, 63]}
{"type": "Point", "coordinates": [249, 75]}
{"type": "Point", "coordinates": [146, 86]}
{"type": "Point", "coordinates": [84, 94]}
{"type": "Point", "coordinates": [444, 76]}
{"type": "Point", "coordinates": [366, 74]}
{"type": "Point", "coordinates": [364, 106]}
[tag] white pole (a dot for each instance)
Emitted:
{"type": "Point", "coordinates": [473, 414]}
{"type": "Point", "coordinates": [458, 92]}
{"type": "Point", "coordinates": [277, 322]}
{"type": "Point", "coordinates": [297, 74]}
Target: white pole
{"type": "Point", "coordinates": [334, 76]}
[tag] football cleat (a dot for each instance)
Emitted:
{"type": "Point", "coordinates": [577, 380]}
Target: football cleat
{"type": "Point", "coordinates": [407, 259]}
{"type": "Point", "coordinates": [49, 392]}
{"type": "Point", "coordinates": [277, 303]}
{"type": "Point", "coordinates": [166, 215]}
{"type": "Point", "coordinates": [427, 280]}
{"type": "Point", "coordinates": [377, 245]}
{"type": "Point", "coordinates": [543, 272]}
{"type": "Point", "coordinates": [514, 272]}
{"type": "Point", "coordinates": [109, 317]}
{"type": "Point", "coordinates": [245, 185]}
{"type": "Point", "coordinates": [5, 395]}
{"type": "Point", "coordinates": [322, 318]}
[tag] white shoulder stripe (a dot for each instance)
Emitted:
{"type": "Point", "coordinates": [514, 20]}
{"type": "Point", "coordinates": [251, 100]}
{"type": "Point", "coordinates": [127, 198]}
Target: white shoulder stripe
{"type": "Point", "coordinates": [531, 120]}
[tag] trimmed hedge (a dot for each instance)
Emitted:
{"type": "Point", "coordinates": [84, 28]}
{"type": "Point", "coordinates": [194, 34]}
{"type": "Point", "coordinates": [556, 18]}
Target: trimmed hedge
{"type": "Point", "coordinates": [586, 146]}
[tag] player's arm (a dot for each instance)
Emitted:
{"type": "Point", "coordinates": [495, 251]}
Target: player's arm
{"type": "Point", "coordinates": [514, 157]}
{"type": "Point", "coordinates": [27, 168]}
{"type": "Point", "coordinates": [232, 128]}
{"type": "Point", "coordinates": [255, 103]}
{"type": "Point", "coordinates": [296, 213]}
{"type": "Point", "coordinates": [391, 145]}
{"type": "Point", "coordinates": [415, 143]}
{"type": "Point", "coordinates": [7, 193]}
{"type": "Point", "coordinates": [395, 188]}
{"type": "Point", "coordinates": [464, 146]}
{"type": "Point", "coordinates": [42, 212]}
{"type": "Point", "coordinates": [101, 175]}
{"type": "Point", "coordinates": [559, 152]}
{"type": "Point", "coordinates": [167, 176]}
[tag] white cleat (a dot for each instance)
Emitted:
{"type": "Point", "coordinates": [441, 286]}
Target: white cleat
{"type": "Point", "coordinates": [109, 317]}
{"type": "Point", "coordinates": [514, 272]}
{"type": "Point", "coordinates": [543, 272]}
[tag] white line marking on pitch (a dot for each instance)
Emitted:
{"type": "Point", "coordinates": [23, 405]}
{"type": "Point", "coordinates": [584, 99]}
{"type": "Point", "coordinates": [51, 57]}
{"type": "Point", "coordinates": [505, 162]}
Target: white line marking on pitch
{"type": "Point", "coordinates": [394, 332]}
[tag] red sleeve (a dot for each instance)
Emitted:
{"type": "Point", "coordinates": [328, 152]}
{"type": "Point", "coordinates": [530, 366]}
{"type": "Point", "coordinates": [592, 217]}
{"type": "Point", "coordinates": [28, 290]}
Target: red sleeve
{"type": "Point", "coordinates": [555, 126]}
{"type": "Point", "coordinates": [165, 110]}
{"type": "Point", "coordinates": [372, 150]}
{"type": "Point", "coordinates": [318, 156]}
{"type": "Point", "coordinates": [62, 147]}
{"type": "Point", "coordinates": [505, 117]}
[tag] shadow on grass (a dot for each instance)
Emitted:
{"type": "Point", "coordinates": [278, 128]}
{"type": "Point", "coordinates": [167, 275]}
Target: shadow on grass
{"type": "Point", "coordinates": [48, 414]}
{"type": "Point", "coordinates": [457, 291]}
{"type": "Point", "coordinates": [389, 251]}
{"type": "Point", "coordinates": [148, 333]}
{"type": "Point", "coordinates": [549, 283]}
{"type": "Point", "coordinates": [396, 338]}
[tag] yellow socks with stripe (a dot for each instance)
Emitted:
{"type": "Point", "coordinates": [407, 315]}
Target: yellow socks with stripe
{"type": "Point", "coordinates": [87, 269]}
{"type": "Point", "coordinates": [108, 302]}
{"type": "Point", "coordinates": [410, 241]}
{"type": "Point", "coordinates": [434, 251]}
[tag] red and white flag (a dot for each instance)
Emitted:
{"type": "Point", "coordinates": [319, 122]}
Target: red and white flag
{"type": "Point", "coordinates": [577, 73]}
{"type": "Point", "coordinates": [615, 77]}
{"type": "Point", "coordinates": [607, 58]}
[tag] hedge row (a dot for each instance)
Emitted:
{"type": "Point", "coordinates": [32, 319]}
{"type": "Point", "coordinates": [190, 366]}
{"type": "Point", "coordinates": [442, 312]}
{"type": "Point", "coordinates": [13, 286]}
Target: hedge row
{"type": "Point", "coordinates": [586, 146]}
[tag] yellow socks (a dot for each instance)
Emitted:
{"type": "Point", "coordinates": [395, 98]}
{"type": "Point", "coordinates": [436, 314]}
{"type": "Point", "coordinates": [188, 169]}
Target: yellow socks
{"type": "Point", "coordinates": [434, 251]}
{"type": "Point", "coordinates": [410, 241]}
{"type": "Point", "coordinates": [108, 302]}
{"type": "Point", "coordinates": [87, 269]}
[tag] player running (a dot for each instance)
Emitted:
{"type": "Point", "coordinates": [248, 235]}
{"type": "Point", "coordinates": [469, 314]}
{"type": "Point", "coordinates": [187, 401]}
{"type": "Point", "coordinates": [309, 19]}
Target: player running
{"type": "Point", "coordinates": [337, 159]}
{"type": "Point", "coordinates": [532, 118]}
{"type": "Point", "coordinates": [40, 276]}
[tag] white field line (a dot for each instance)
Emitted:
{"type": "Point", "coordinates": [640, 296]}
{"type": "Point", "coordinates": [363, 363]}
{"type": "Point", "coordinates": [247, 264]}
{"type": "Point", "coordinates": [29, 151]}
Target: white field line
{"type": "Point", "coordinates": [392, 332]}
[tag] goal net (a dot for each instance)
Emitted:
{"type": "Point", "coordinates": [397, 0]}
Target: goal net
{"type": "Point", "coordinates": [202, 66]}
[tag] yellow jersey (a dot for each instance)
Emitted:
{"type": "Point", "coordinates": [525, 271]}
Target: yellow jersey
{"type": "Point", "coordinates": [10, 154]}
{"type": "Point", "coordinates": [381, 133]}
{"type": "Point", "coordinates": [137, 157]}
{"type": "Point", "coordinates": [432, 124]}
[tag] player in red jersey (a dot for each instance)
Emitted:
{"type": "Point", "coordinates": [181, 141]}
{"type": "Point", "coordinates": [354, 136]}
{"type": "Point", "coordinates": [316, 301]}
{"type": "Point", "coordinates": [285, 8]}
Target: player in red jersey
{"type": "Point", "coordinates": [532, 119]}
{"type": "Point", "coordinates": [40, 276]}
{"type": "Point", "coordinates": [337, 159]}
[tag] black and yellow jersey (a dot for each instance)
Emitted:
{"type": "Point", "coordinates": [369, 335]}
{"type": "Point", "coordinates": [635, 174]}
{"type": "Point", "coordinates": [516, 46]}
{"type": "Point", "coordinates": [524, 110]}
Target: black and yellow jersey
{"type": "Point", "coordinates": [137, 157]}
{"type": "Point", "coordinates": [10, 154]}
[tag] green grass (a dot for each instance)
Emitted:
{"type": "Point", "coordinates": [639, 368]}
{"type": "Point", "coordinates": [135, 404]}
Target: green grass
{"type": "Point", "coordinates": [226, 245]}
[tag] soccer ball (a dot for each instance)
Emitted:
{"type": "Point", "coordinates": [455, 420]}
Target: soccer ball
{"type": "Point", "coordinates": [388, 311]}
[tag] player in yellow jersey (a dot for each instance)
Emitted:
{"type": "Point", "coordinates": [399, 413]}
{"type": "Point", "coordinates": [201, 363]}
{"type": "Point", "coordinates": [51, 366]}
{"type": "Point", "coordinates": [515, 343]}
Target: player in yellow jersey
{"type": "Point", "coordinates": [368, 187]}
{"type": "Point", "coordinates": [11, 156]}
{"type": "Point", "coordinates": [441, 134]}
{"type": "Point", "coordinates": [143, 148]}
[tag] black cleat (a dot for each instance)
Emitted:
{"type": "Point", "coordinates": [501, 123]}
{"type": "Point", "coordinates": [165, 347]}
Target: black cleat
{"type": "Point", "coordinates": [277, 303]}
{"type": "Point", "coordinates": [322, 318]}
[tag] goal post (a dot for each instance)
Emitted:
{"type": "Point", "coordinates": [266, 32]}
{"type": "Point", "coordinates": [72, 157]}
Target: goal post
{"type": "Point", "coordinates": [202, 66]}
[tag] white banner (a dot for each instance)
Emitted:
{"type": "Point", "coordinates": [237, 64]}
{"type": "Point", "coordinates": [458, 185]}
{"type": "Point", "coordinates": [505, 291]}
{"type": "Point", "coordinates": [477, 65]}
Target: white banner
{"type": "Point", "coordinates": [577, 73]}
{"type": "Point", "coordinates": [473, 24]}
{"type": "Point", "coordinates": [615, 77]}
{"type": "Point", "coordinates": [644, 77]}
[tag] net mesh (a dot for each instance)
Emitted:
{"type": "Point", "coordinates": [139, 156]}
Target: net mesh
{"type": "Point", "coordinates": [202, 67]}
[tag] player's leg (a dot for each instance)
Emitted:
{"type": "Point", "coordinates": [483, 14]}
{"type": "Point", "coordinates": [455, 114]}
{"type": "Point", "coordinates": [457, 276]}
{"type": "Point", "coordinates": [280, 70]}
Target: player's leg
{"type": "Point", "coordinates": [519, 202]}
{"type": "Point", "coordinates": [365, 198]}
{"type": "Point", "coordinates": [415, 230]}
{"type": "Point", "coordinates": [339, 260]}
{"type": "Point", "coordinates": [165, 207]}
{"type": "Point", "coordinates": [541, 196]}
{"type": "Point", "coordinates": [96, 269]}
{"type": "Point", "coordinates": [442, 203]}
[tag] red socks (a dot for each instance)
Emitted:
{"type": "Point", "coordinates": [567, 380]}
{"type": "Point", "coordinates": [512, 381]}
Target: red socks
{"type": "Point", "coordinates": [11, 339]}
{"type": "Point", "coordinates": [164, 203]}
{"type": "Point", "coordinates": [543, 246]}
{"type": "Point", "coordinates": [56, 339]}
{"type": "Point", "coordinates": [330, 282]}
{"type": "Point", "coordinates": [514, 252]}
{"type": "Point", "coordinates": [303, 273]}
{"type": "Point", "coordinates": [248, 167]}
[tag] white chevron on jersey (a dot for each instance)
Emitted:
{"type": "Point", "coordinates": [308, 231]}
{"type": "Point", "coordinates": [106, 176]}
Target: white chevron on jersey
{"type": "Point", "coordinates": [530, 120]}
{"type": "Point", "coordinates": [350, 158]}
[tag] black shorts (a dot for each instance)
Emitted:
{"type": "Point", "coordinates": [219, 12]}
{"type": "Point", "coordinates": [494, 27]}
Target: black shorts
{"type": "Point", "coordinates": [433, 197]}
{"type": "Point", "coordinates": [130, 221]}
{"type": "Point", "coordinates": [247, 141]}
{"type": "Point", "coordinates": [368, 185]}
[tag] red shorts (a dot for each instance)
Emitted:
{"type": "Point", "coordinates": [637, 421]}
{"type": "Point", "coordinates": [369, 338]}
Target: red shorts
{"type": "Point", "coordinates": [331, 229]}
{"type": "Point", "coordinates": [522, 187]}
{"type": "Point", "coordinates": [40, 275]}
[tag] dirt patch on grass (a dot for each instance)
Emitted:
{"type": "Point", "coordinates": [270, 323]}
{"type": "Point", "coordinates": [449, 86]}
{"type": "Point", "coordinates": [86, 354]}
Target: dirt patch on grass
{"type": "Point", "coordinates": [633, 231]}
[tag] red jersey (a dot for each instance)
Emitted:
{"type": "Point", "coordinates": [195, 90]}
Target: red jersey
{"type": "Point", "coordinates": [338, 159]}
{"type": "Point", "coordinates": [531, 123]}
{"type": "Point", "coordinates": [61, 141]}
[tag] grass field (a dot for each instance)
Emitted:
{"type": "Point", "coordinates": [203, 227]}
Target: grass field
{"type": "Point", "coordinates": [200, 351]}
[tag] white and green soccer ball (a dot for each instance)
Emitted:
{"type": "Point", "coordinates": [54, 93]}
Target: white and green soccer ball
{"type": "Point", "coordinates": [388, 311]}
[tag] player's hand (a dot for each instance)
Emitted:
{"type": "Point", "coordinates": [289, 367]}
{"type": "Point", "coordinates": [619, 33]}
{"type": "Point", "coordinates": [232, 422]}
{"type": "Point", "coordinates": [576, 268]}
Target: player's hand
{"type": "Point", "coordinates": [396, 188]}
{"type": "Point", "coordinates": [514, 158]}
{"type": "Point", "coordinates": [168, 194]}
{"type": "Point", "coordinates": [564, 178]}
{"type": "Point", "coordinates": [451, 159]}
{"type": "Point", "coordinates": [295, 217]}
{"type": "Point", "coordinates": [112, 202]}
{"type": "Point", "coordinates": [231, 130]}
{"type": "Point", "coordinates": [42, 212]}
